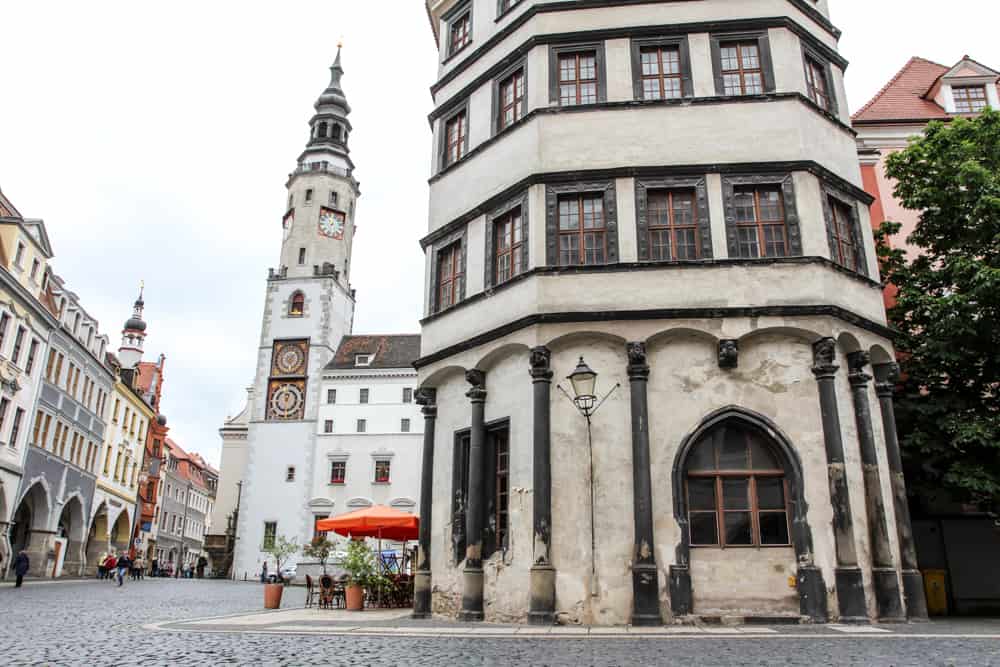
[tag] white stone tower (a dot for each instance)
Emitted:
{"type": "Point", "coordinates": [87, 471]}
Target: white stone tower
{"type": "Point", "coordinates": [133, 336]}
{"type": "Point", "coordinates": [308, 308]}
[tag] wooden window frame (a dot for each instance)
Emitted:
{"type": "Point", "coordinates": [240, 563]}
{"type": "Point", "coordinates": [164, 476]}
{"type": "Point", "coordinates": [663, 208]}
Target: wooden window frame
{"type": "Point", "coordinates": [456, 239]}
{"type": "Point", "coordinates": [814, 64]}
{"type": "Point", "coordinates": [553, 195]}
{"type": "Point", "coordinates": [455, 114]}
{"type": "Point", "coordinates": [672, 227]}
{"type": "Point", "coordinates": [785, 184]}
{"type": "Point", "coordinates": [520, 68]}
{"type": "Point", "coordinates": [763, 53]}
{"type": "Point", "coordinates": [832, 199]}
{"type": "Point", "coordinates": [492, 542]}
{"type": "Point", "coordinates": [660, 43]}
{"type": "Point", "coordinates": [600, 71]}
{"type": "Point", "coordinates": [968, 100]}
{"type": "Point", "coordinates": [462, 12]}
{"type": "Point", "coordinates": [581, 231]}
{"type": "Point", "coordinates": [703, 224]}
{"type": "Point", "coordinates": [520, 202]}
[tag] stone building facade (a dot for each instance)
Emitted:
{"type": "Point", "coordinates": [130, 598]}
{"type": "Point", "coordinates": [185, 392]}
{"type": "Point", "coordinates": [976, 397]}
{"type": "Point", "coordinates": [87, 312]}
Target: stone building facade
{"type": "Point", "coordinates": [669, 192]}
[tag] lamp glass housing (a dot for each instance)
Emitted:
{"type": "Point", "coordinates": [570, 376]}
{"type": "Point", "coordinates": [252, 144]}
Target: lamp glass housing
{"type": "Point", "coordinates": [584, 381]}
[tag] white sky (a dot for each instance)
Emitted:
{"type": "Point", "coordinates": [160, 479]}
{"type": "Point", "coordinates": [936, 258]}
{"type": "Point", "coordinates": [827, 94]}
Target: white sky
{"type": "Point", "coordinates": [154, 139]}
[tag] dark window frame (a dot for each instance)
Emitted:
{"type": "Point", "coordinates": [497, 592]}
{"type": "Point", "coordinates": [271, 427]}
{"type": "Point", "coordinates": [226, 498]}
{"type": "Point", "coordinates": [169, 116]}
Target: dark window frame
{"type": "Point", "coordinates": [342, 465]}
{"type": "Point", "coordinates": [851, 205]}
{"type": "Point", "coordinates": [681, 43]}
{"type": "Point", "coordinates": [458, 236]}
{"type": "Point", "coordinates": [497, 108]}
{"type": "Point", "coordinates": [811, 56]}
{"type": "Point", "coordinates": [491, 492]}
{"type": "Point", "coordinates": [555, 51]}
{"type": "Point", "coordinates": [504, 7]}
{"type": "Point", "coordinates": [443, 145]}
{"type": "Point", "coordinates": [552, 195]}
{"type": "Point", "coordinates": [385, 463]}
{"type": "Point", "coordinates": [764, 53]}
{"type": "Point", "coordinates": [699, 184]}
{"type": "Point", "coordinates": [458, 12]}
{"type": "Point", "coordinates": [520, 201]}
{"type": "Point", "coordinates": [785, 183]}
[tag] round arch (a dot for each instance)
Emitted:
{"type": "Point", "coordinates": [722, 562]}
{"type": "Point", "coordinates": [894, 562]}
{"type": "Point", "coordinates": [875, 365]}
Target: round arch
{"type": "Point", "coordinates": [72, 526]}
{"type": "Point", "coordinates": [667, 336]}
{"type": "Point", "coordinates": [810, 586]}
{"type": "Point", "coordinates": [568, 339]}
{"type": "Point", "coordinates": [807, 336]}
{"type": "Point", "coordinates": [441, 374]}
{"type": "Point", "coordinates": [496, 355]}
{"type": "Point", "coordinates": [97, 539]}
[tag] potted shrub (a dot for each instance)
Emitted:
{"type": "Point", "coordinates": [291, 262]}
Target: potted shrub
{"type": "Point", "coordinates": [319, 549]}
{"type": "Point", "coordinates": [280, 550]}
{"type": "Point", "coordinates": [359, 564]}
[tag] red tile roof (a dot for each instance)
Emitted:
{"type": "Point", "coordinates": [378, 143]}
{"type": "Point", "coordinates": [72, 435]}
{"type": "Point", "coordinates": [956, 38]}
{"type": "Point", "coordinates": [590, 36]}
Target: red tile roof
{"type": "Point", "coordinates": [902, 98]}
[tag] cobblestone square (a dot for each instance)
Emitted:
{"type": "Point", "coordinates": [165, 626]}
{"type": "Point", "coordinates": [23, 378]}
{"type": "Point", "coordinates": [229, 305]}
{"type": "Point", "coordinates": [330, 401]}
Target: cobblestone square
{"type": "Point", "coordinates": [192, 622]}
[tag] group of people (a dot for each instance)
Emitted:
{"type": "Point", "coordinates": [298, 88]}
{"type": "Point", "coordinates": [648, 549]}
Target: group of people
{"type": "Point", "coordinates": [114, 568]}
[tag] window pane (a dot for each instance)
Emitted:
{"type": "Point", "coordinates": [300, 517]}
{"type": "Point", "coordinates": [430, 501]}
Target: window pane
{"type": "Point", "coordinates": [770, 205]}
{"type": "Point", "coordinates": [650, 66]}
{"type": "Point", "coordinates": [588, 93]}
{"type": "Point", "coordinates": [732, 84]}
{"type": "Point", "coordinates": [761, 456]}
{"type": "Point", "coordinates": [701, 493]}
{"type": "Point", "coordinates": [730, 60]}
{"type": "Point", "coordinates": [702, 457]}
{"type": "Point", "coordinates": [734, 450]}
{"type": "Point", "coordinates": [736, 494]}
{"type": "Point", "coordinates": [567, 68]}
{"type": "Point", "coordinates": [588, 67]}
{"type": "Point", "coordinates": [754, 84]}
{"type": "Point", "coordinates": [659, 244]}
{"type": "Point", "coordinates": [738, 528]}
{"type": "Point", "coordinates": [651, 89]}
{"type": "Point", "coordinates": [773, 528]}
{"type": "Point", "coordinates": [569, 214]}
{"type": "Point", "coordinates": [771, 493]}
{"type": "Point", "coordinates": [672, 88]}
{"type": "Point", "coordinates": [743, 202]}
{"type": "Point", "coordinates": [749, 54]}
{"type": "Point", "coordinates": [703, 529]}
{"type": "Point", "coordinates": [687, 244]}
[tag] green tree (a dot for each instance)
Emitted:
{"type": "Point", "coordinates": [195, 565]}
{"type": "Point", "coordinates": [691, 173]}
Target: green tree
{"type": "Point", "coordinates": [948, 309]}
{"type": "Point", "coordinates": [281, 549]}
{"type": "Point", "coordinates": [320, 548]}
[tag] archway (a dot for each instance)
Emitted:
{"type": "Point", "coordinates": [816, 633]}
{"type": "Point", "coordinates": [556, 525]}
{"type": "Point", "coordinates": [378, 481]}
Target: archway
{"type": "Point", "coordinates": [121, 533]}
{"type": "Point", "coordinates": [97, 540]}
{"type": "Point", "coordinates": [30, 528]}
{"type": "Point", "coordinates": [738, 483]}
{"type": "Point", "coordinates": [70, 527]}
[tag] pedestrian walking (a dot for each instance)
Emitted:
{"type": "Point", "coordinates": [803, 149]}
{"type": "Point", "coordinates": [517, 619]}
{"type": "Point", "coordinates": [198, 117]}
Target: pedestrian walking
{"type": "Point", "coordinates": [140, 566]}
{"type": "Point", "coordinates": [263, 574]}
{"type": "Point", "coordinates": [21, 565]}
{"type": "Point", "coordinates": [102, 571]}
{"type": "Point", "coordinates": [123, 565]}
{"type": "Point", "coordinates": [155, 571]}
{"type": "Point", "coordinates": [109, 566]}
{"type": "Point", "coordinates": [202, 563]}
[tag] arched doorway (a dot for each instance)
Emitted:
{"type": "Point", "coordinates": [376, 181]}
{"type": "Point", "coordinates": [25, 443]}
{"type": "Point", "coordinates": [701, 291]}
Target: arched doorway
{"type": "Point", "coordinates": [70, 528]}
{"type": "Point", "coordinates": [30, 528]}
{"type": "Point", "coordinates": [97, 540]}
{"type": "Point", "coordinates": [746, 547]}
{"type": "Point", "coordinates": [121, 533]}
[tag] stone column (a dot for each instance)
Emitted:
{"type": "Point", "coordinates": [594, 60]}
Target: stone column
{"type": "Point", "coordinates": [645, 582]}
{"type": "Point", "coordinates": [38, 547]}
{"type": "Point", "coordinates": [913, 582]}
{"type": "Point", "coordinates": [422, 608]}
{"type": "Point", "coordinates": [543, 575]}
{"type": "Point", "coordinates": [884, 578]}
{"type": "Point", "coordinates": [472, 576]}
{"type": "Point", "coordinates": [850, 586]}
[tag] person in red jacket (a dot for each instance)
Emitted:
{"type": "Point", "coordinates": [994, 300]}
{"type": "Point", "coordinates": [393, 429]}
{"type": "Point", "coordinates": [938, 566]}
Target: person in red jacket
{"type": "Point", "coordinates": [109, 565]}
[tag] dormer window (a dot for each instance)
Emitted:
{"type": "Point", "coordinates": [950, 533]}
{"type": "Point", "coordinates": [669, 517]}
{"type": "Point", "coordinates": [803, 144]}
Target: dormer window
{"type": "Point", "coordinates": [19, 255]}
{"type": "Point", "coordinates": [969, 99]}
{"type": "Point", "coordinates": [362, 360]}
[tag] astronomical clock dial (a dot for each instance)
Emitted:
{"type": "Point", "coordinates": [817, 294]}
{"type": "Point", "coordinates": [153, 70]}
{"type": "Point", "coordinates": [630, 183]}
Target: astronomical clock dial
{"type": "Point", "coordinates": [287, 400]}
{"type": "Point", "coordinates": [289, 358]}
{"type": "Point", "coordinates": [331, 223]}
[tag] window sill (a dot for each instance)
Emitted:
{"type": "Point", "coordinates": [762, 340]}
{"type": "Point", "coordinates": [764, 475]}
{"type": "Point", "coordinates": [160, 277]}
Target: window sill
{"type": "Point", "coordinates": [454, 54]}
{"type": "Point", "coordinates": [381, 483]}
{"type": "Point", "coordinates": [336, 484]}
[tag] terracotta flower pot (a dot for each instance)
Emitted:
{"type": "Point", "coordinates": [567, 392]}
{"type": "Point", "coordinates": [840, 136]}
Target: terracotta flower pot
{"type": "Point", "coordinates": [355, 597]}
{"type": "Point", "coordinates": [272, 595]}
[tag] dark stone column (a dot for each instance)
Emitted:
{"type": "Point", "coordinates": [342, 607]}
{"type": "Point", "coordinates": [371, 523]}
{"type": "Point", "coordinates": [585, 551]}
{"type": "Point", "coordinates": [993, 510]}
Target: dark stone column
{"type": "Point", "coordinates": [543, 575]}
{"type": "Point", "coordinates": [913, 582]}
{"type": "Point", "coordinates": [884, 578]}
{"type": "Point", "coordinates": [472, 577]}
{"type": "Point", "coordinates": [422, 607]}
{"type": "Point", "coordinates": [850, 586]}
{"type": "Point", "coordinates": [645, 582]}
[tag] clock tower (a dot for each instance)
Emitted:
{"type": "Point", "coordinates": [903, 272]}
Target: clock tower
{"type": "Point", "coordinates": [309, 307]}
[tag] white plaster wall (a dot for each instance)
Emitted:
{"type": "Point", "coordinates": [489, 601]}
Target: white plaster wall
{"type": "Point", "coordinates": [382, 413]}
{"type": "Point", "coordinates": [232, 471]}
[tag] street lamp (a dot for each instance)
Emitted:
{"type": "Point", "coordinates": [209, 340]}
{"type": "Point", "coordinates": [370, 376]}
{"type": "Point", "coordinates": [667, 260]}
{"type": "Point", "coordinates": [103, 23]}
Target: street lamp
{"type": "Point", "coordinates": [583, 380]}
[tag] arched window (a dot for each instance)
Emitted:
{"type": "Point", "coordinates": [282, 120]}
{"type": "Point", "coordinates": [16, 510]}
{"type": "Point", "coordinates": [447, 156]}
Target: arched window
{"type": "Point", "coordinates": [322, 130]}
{"type": "Point", "coordinates": [336, 132]}
{"type": "Point", "coordinates": [737, 493]}
{"type": "Point", "coordinates": [297, 306]}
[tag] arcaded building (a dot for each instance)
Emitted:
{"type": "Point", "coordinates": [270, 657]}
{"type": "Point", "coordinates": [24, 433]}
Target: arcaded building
{"type": "Point", "coordinates": [666, 193]}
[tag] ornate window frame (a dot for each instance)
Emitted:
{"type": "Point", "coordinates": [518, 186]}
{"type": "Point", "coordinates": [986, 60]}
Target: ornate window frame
{"type": "Point", "coordinates": [521, 201]}
{"type": "Point", "coordinates": [787, 185]}
{"type": "Point", "coordinates": [552, 193]}
{"type": "Point", "coordinates": [679, 41]}
{"type": "Point", "coordinates": [459, 236]}
{"type": "Point", "coordinates": [698, 184]}
{"type": "Point", "coordinates": [860, 257]}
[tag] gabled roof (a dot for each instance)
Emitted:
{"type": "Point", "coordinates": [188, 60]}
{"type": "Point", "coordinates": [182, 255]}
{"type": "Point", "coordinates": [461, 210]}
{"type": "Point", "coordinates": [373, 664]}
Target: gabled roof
{"type": "Point", "coordinates": [389, 351]}
{"type": "Point", "coordinates": [909, 95]}
{"type": "Point", "coordinates": [36, 228]}
{"type": "Point", "coordinates": [7, 208]}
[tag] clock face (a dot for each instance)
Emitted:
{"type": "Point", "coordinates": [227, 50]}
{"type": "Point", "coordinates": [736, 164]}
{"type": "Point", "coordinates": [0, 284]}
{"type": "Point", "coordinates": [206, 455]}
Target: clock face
{"type": "Point", "coordinates": [331, 223]}
{"type": "Point", "coordinates": [289, 358]}
{"type": "Point", "coordinates": [287, 400]}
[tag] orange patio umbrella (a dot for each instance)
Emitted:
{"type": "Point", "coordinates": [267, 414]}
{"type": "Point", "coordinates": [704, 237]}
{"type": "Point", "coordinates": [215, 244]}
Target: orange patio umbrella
{"type": "Point", "coordinates": [375, 521]}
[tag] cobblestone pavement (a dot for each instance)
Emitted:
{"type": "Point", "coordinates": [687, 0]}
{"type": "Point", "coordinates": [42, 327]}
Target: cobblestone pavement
{"type": "Point", "coordinates": [94, 623]}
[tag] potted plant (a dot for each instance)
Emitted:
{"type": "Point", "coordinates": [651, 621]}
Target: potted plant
{"type": "Point", "coordinates": [359, 564]}
{"type": "Point", "coordinates": [280, 550]}
{"type": "Point", "coordinates": [320, 549]}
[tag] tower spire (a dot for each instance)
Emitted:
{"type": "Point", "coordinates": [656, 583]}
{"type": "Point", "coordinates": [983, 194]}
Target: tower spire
{"type": "Point", "coordinates": [133, 333]}
{"type": "Point", "coordinates": [329, 127]}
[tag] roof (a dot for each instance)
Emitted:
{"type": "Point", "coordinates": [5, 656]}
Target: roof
{"type": "Point", "coordinates": [906, 96]}
{"type": "Point", "coordinates": [391, 351]}
{"type": "Point", "coordinates": [7, 208]}
{"type": "Point", "coordinates": [188, 463]}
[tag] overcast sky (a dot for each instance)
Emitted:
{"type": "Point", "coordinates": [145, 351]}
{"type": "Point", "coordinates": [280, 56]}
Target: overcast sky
{"type": "Point", "coordinates": [155, 139]}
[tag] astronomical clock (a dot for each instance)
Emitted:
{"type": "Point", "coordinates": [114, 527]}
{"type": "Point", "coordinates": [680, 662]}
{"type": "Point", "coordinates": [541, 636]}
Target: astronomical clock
{"type": "Point", "coordinates": [286, 391]}
{"type": "Point", "coordinates": [331, 223]}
